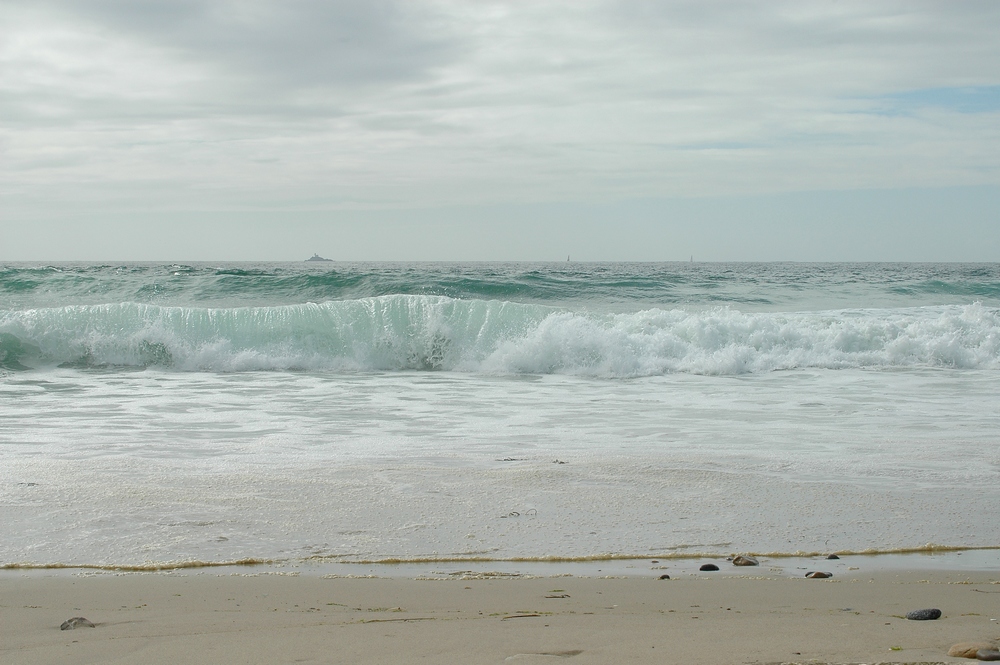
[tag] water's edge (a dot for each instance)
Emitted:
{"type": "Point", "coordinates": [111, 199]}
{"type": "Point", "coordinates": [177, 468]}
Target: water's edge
{"type": "Point", "coordinates": [928, 557]}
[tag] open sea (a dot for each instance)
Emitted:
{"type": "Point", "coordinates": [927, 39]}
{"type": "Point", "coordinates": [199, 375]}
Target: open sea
{"type": "Point", "coordinates": [153, 415]}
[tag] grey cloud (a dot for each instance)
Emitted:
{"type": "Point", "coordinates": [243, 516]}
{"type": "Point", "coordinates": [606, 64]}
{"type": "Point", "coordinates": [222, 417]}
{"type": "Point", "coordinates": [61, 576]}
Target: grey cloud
{"type": "Point", "coordinates": [284, 44]}
{"type": "Point", "coordinates": [410, 103]}
{"type": "Point", "coordinates": [277, 64]}
{"type": "Point", "coordinates": [876, 42]}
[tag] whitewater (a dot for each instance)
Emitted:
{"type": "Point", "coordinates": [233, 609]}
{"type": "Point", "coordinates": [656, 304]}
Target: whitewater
{"type": "Point", "coordinates": [154, 415]}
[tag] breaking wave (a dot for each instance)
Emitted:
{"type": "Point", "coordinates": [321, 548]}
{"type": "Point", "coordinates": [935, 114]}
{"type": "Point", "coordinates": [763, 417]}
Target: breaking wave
{"type": "Point", "coordinates": [414, 332]}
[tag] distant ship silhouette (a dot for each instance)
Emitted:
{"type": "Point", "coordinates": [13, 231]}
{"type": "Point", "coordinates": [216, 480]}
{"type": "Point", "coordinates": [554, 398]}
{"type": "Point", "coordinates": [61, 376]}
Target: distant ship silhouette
{"type": "Point", "coordinates": [317, 257]}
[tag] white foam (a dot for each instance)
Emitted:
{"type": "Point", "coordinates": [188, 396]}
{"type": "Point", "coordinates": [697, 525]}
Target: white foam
{"type": "Point", "coordinates": [163, 466]}
{"type": "Point", "coordinates": [433, 333]}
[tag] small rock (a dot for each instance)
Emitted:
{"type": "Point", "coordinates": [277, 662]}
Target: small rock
{"type": "Point", "coordinates": [988, 654]}
{"type": "Point", "coordinates": [832, 556]}
{"type": "Point", "coordinates": [924, 615]}
{"type": "Point", "coordinates": [70, 624]}
{"type": "Point", "coordinates": [709, 566]}
{"type": "Point", "coordinates": [663, 577]}
{"type": "Point", "coordinates": [817, 575]}
{"type": "Point", "coordinates": [969, 649]}
{"type": "Point", "coordinates": [745, 561]}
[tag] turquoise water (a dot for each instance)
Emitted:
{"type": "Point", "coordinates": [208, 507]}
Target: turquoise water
{"type": "Point", "coordinates": [596, 286]}
{"type": "Point", "coordinates": [155, 414]}
{"type": "Point", "coordinates": [615, 320]}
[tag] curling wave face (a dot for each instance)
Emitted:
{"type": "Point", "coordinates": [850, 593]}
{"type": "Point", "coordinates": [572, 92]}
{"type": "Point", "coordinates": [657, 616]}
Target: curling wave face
{"type": "Point", "coordinates": [417, 332]}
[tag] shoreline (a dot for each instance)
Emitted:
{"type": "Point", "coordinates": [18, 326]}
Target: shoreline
{"type": "Point", "coordinates": [737, 615]}
{"type": "Point", "coordinates": [931, 559]}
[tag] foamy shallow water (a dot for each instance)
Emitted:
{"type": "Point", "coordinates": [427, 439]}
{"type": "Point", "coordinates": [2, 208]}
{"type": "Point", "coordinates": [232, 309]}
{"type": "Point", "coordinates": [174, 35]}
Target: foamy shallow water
{"type": "Point", "coordinates": [304, 414]}
{"type": "Point", "coordinates": [131, 467]}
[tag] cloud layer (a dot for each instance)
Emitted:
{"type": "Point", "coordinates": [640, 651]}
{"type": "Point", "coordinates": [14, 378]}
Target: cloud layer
{"type": "Point", "coordinates": [310, 105]}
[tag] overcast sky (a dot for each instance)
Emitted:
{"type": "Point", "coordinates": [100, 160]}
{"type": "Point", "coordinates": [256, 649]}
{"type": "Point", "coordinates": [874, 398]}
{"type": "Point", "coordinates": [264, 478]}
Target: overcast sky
{"type": "Point", "coordinates": [605, 130]}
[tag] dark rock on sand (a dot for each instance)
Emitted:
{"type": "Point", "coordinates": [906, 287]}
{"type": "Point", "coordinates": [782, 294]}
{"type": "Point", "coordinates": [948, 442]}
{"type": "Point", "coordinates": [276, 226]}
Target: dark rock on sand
{"type": "Point", "coordinates": [969, 649]}
{"type": "Point", "coordinates": [745, 561]}
{"type": "Point", "coordinates": [663, 577]}
{"type": "Point", "coordinates": [924, 615]}
{"type": "Point", "coordinates": [988, 654]}
{"type": "Point", "coordinates": [709, 566]}
{"type": "Point", "coordinates": [817, 575]}
{"type": "Point", "coordinates": [832, 556]}
{"type": "Point", "coordinates": [70, 624]}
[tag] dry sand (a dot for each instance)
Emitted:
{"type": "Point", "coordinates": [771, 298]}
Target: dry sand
{"type": "Point", "coordinates": [746, 617]}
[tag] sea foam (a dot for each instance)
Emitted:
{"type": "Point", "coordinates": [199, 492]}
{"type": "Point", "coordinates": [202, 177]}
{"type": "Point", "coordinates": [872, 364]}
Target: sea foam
{"type": "Point", "coordinates": [411, 332]}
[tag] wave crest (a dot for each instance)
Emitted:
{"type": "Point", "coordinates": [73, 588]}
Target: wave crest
{"type": "Point", "coordinates": [406, 332]}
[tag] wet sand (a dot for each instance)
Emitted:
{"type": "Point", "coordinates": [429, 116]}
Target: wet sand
{"type": "Point", "coordinates": [735, 616]}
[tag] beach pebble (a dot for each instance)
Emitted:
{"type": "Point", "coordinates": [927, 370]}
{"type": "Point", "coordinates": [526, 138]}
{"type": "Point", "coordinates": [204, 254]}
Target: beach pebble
{"type": "Point", "coordinates": [663, 577]}
{"type": "Point", "coordinates": [817, 575]}
{"type": "Point", "coordinates": [924, 615]}
{"type": "Point", "coordinates": [832, 556]}
{"type": "Point", "coordinates": [709, 566]}
{"type": "Point", "coordinates": [969, 649]}
{"type": "Point", "coordinates": [988, 654]}
{"type": "Point", "coordinates": [745, 561]}
{"type": "Point", "coordinates": [70, 624]}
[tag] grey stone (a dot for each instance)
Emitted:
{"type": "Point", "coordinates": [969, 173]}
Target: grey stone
{"type": "Point", "coordinates": [70, 624]}
{"type": "Point", "coordinates": [988, 654]}
{"type": "Point", "coordinates": [832, 556]}
{"type": "Point", "coordinates": [745, 561]}
{"type": "Point", "coordinates": [663, 577]}
{"type": "Point", "coordinates": [817, 575]}
{"type": "Point", "coordinates": [709, 566]}
{"type": "Point", "coordinates": [924, 615]}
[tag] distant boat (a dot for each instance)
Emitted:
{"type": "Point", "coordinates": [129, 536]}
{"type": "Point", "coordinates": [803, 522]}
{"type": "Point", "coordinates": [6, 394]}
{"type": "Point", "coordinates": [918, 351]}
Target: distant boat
{"type": "Point", "coordinates": [317, 257]}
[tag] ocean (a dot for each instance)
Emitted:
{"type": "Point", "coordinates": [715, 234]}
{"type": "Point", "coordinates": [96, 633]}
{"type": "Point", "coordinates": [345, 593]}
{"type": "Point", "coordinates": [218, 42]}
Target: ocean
{"type": "Point", "coordinates": [157, 415]}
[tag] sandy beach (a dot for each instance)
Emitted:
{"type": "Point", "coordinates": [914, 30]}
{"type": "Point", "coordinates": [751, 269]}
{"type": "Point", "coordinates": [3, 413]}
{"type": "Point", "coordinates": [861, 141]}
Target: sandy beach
{"type": "Point", "coordinates": [245, 616]}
